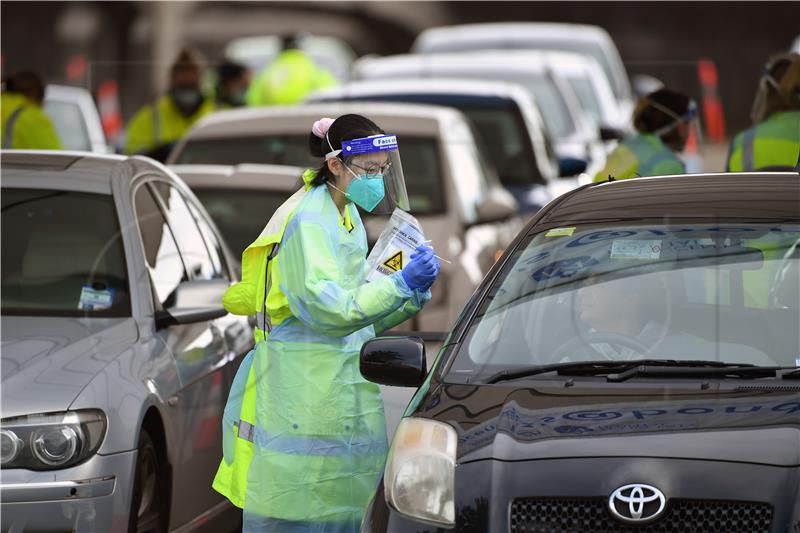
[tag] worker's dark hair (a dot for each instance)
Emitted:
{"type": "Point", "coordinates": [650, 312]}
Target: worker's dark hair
{"type": "Point", "coordinates": [229, 70]}
{"type": "Point", "coordinates": [649, 118]}
{"type": "Point", "coordinates": [26, 82]}
{"type": "Point", "coordinates": [187, 60]}
{"type": "Point", "coordinates": [344, 128]}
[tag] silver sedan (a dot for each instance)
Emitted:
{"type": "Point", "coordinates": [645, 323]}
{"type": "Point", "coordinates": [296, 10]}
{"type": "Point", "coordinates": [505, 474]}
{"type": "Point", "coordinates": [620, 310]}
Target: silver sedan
{"type": "Point", "coordinates": [117, 355]}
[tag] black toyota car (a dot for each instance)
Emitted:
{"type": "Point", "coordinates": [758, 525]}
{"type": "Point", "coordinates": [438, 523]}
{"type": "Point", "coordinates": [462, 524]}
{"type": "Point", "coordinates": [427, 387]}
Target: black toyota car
{"type": "Point", "coordinates": [630, 364]}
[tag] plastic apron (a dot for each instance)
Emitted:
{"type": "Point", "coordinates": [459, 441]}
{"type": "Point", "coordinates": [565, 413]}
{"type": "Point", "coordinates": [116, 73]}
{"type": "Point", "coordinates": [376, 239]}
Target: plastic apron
{"type": "Point", "coordinates": [319, 437]}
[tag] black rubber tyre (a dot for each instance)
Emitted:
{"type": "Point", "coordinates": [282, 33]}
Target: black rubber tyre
{"type": "Point", "coordinates": [149, 504]}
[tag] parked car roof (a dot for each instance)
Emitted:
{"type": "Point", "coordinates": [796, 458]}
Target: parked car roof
{"type": "Point", "coordinates": [573, 37]}
{"type": "Point", "coordinates": [252, 176]}
{"type": "Point", "coordinates": [466, 86]}
{"type": "Point", "coordinates": [512, 66]}
{"type": "Point", "coordinates": [257, 119]}
{"type": "Point", "coordinates": [750, 195]}
{"type": "Point", "coordinates": [75, 170]}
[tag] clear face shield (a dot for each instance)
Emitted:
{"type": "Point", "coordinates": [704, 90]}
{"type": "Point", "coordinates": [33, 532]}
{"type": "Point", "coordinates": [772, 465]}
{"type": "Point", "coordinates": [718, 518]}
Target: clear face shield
{"type": "Point", "coordinates": [690, 120]}
{"type": "Point", "coordinates": [378, 185]}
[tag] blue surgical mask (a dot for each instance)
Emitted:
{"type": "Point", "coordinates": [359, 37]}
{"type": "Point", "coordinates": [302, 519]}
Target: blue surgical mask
{"type": "Point", "coordinates": [366, 190]}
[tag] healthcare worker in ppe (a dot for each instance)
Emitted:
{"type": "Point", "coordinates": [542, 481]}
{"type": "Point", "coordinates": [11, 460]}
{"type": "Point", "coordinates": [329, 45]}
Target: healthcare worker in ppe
{"type": "Point", "coordinates": [663, 120]}
{"type": "Point", "coordinates": [317, 436]}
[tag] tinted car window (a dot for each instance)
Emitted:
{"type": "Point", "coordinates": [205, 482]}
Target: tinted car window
{"type": "Point", "coordinates": [197, 258]}
{"type": "Point", "coordinates": [212, 243]}
{"type": "Point", "coordinates": [689, 291]}
{"type": "Point", "coordinates": [587, 98]}
{"type": "Point", "coordinates": [420, 158]}
{"type": "Point", "coordinates": [508, 144]}
{"type": "Point", "coordinates": [240, 214]}
{"type": "Point", "coordinates": [555, 112]}
{"type": "Point", "coordinates": [69, 124]}
{"type": "Point", "coordinates": [62, 255]}
{"type": "Point", "coordinates": [161, 253]}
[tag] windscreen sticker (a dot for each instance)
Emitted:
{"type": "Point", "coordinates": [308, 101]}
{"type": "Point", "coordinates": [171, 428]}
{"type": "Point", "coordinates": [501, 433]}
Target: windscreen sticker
{"type": "Point", "coordinates": [636, 249]}
{"type": "Point", "coordinates": [94, 300]}
{"type": "Point", "coordinates": [560, 232]}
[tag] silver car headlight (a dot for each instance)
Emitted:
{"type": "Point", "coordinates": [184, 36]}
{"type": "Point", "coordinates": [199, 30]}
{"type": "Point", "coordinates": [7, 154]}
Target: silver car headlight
{"type": "Point", "coordinates": [51, 440]}
{"type": "Point", "coordinates": [419, 480]}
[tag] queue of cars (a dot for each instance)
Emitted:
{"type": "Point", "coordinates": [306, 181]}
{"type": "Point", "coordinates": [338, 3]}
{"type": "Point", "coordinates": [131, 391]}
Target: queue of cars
{"type": "Point", "coordinates": [591, 41]}
{"type": "Point", "coordinates": [504, 116]}
{"type": "Point", "coordinates": [573, 134]}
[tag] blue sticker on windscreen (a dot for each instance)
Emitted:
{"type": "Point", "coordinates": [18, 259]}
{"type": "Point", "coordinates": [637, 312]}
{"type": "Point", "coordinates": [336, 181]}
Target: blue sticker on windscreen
{"type": "Point", "coordinates": [378, 143]}
{"type": "Point", "coordinates": [95, 299]}
{"type": "Point", "coordinates": [566, 268]}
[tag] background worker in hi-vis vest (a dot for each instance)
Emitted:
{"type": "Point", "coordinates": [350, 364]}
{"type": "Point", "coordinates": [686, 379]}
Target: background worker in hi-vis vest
{"type": "Point", "coordinates": [304, 433]}
{"type": "Point", "coordinates": [773, 143]}
{"type": "Point", "coordinates": [663, 120]}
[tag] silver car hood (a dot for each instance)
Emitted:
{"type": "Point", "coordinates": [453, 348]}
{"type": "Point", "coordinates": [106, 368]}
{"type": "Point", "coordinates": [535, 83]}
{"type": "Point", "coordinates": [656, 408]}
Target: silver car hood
{"type": "Point", "coordinates": [47, 361]}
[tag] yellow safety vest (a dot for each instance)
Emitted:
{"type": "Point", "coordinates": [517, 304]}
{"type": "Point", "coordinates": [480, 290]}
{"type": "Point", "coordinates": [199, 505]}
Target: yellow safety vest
{"type": "Point", "coordinates": [288, 80]}
{"type": "Point", "coordinates": [25, 125]}
{"type": "Point", "coordinates": [160, 124]}
{"type": "Point", "coordinates": [639, 156]}
{"type": "Point", "coordinates": [773, 143]}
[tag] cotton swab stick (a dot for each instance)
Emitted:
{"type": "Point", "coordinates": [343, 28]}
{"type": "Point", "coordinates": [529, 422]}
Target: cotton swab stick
{"type": "Point", "coordinates": [428, 241]}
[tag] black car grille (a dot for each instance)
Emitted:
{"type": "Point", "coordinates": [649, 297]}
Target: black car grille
{"type": "Point", "coordinates": [534, 515]}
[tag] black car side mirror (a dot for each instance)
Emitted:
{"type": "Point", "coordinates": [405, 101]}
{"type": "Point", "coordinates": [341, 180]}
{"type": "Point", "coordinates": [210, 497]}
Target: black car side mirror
{"type": "Point", "coordinates": [395, 361]}
{"type": "Point", "coordinates": [607, 133]}
{"type": "Point", "coordinates": [570, 166]}
{"type": "Point", "coordinates": [190, 315]}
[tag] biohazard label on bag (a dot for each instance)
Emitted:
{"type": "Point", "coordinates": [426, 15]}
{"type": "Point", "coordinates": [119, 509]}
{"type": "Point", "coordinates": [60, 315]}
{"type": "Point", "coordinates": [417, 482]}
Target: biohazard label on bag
{"type": "Point", "coordinates": [393, 250]}
{"type": "Point", "coordinates": [395, 263]}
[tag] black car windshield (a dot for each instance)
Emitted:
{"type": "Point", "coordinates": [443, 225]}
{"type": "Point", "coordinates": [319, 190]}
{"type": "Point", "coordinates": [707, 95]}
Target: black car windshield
{"type": "Point", "coordinates": [693, 292]}
{"type": "Point", "coordinates": [421, 161]}
{"type": "Point", "coordinates": [62, 255]}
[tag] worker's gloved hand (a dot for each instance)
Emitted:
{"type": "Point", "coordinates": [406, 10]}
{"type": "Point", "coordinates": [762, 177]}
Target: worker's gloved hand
{"type": "Point", "coordinates": [421, 271]}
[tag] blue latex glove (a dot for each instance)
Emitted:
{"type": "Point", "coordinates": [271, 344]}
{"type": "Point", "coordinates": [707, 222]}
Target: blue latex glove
{"type": "Point", "coordinates": [422, 270]}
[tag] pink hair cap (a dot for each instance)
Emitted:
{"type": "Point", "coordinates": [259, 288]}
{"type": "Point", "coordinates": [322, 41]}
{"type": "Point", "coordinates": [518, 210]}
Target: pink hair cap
{"type": "Point", "coordinates": [321, 127]}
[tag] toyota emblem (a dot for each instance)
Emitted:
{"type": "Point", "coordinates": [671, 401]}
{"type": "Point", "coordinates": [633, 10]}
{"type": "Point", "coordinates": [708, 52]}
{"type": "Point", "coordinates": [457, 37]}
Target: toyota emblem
{"type": "Point", "coordinates": [637, 503]}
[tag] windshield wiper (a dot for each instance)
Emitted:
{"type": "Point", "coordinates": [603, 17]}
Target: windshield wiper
{"type": "Point", "coordinates": [794, 373]}
{"type": "Point", "coordinates": [593, 368]}
{"type": "Point", "coordinates": [670, 371]}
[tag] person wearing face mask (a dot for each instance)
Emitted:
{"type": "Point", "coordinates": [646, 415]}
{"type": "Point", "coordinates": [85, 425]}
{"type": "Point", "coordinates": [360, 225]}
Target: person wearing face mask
{"type": "Point", "coordinates": [233, 79]}
{"type": "Point", "coordinates": [155, 128]}
{"type": "Point", "coordinates": [304, 436]}
{"type": "Point", "coordinates": [663, 120]}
